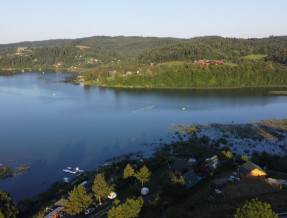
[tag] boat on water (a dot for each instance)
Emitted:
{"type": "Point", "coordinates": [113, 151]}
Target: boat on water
{"type": "Point", "coordinates": [73, 171]}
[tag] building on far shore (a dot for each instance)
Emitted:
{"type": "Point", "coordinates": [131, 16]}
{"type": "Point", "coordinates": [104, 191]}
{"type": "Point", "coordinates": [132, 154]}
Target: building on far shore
{"type": "Point", "coordinates": [249, 170]}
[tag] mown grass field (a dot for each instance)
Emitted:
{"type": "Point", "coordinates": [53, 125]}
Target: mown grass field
{"type": "Point", "coordinates": [255, 56]}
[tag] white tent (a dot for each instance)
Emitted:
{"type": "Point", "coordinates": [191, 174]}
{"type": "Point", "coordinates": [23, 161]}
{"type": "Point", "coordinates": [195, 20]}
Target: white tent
{"type": "Point", "coordinates": [112, 195]}
{"type": "Point", "coordinates": [144, 191]}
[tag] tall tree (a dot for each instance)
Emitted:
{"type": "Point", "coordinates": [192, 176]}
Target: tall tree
{"type": "Point", "coordinates": [100, 188]}
{"type": "Point", "coordinates": [129, 171]}
{"type": "Point", "coordinates": [7, 206]}
{"type": "Point", "coordinates": [143, 175]}
{"type": "Point", "coordinates": [131, 208]}
{"type": "Point", "coordinates": [255, 209]}
{"type": "Point", "coordinates": [79, 200]}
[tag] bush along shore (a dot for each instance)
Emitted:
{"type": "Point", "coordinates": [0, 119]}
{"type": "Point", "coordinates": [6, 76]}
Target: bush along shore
{"type": "Point", "coordinates": [195, 174]}
{"type": "Point", "coordinates": [7, 171]}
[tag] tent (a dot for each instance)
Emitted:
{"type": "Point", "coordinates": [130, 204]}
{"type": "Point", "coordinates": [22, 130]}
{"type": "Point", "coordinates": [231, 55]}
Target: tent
{"type": "Point", "coordinates": [144, 191]}
{"type": "Point", "coordinates": [112, 195]}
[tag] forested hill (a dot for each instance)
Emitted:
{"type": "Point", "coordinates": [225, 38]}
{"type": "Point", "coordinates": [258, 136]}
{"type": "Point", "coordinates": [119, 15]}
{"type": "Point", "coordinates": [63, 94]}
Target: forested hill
{"type": "Point", "coordinates": [157, 62]}
{"type": "Point", "coordinates": [216, 48]}
{"type": "Point", "coordinates": [51, 42]}
{"type": "Point", "coordinates": [144, 49]}
{"type": "Point", "coordinates": [114, 46]}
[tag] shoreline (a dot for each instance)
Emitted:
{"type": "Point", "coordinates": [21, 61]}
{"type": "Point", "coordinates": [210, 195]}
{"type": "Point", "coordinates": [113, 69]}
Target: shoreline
{"type": "Point", "coordinates": [94, 83]}
{"type": "Point", "coordinates": [203, 133]}
{"type": "Point", "coordinates": [183, 88]}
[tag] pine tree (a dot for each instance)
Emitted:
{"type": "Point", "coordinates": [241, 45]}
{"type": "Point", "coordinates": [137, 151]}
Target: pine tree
{"type": "Point", "coordinates": [129, 171]}
{"type": "Point", "coordinates": [143, 175]}
{"type": "Point", "coordinates": [79, 200]}
{"type": "Point", "coordinates": [100, 188]}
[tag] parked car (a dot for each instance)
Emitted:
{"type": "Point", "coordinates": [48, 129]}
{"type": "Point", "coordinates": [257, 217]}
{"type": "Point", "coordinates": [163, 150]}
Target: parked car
{"type": "Point", "coordinates": [90, 210]}
{"type": "Point", "coordinates": [233, 178]}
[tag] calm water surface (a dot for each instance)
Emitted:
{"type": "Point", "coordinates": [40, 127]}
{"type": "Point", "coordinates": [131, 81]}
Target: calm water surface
{"type": "Point", "coordinates": [49, 124]}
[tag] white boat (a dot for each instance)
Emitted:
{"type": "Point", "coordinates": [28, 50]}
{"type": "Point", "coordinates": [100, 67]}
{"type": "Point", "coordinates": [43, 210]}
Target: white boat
{"type": "Point", "coordinates": [67, 171]}
{"type": "Point", "coordinates": [66, 179]}
{"type": "Point", "coordinates": [75, 171]}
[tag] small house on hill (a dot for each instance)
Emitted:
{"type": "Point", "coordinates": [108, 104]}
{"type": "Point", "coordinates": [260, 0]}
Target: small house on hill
{"type": "Point", "coordinates": [55, 213]}
{"type": "Point", "coordinates": [180, 167]}
{"type": "Point", "coordinates": [210, 164]}
{"type": "Point", "coordinates": [110, 73]}
{"type": "Point", "coordinates": [250, 169]}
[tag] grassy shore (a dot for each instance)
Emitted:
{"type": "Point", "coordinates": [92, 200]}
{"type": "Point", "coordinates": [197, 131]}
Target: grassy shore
{"type": "Point", "coordinates": [95, 83]}
{"type": "Point", "coordinates": [278, 92]}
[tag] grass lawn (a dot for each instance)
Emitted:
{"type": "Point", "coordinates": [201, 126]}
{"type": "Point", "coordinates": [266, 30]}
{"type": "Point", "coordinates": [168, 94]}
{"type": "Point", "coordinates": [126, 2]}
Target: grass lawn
{"type": "Point", "coordinates": [230, 64]}
{"type": "Point", "coordinates": [255, 56]}
{"type": "Point", "coordinates": [248, 187]}
{"type": "Point", "coordinates": [278, 200]}
{"type": "Point", "coordinates": [112, 77]}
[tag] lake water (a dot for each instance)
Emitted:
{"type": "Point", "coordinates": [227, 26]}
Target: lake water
{"type": "Point", "coordinates": [49, 125]}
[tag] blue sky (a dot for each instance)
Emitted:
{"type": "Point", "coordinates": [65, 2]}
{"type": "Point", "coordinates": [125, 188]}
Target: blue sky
{"type": "Point", "coordinates": [30, 20]}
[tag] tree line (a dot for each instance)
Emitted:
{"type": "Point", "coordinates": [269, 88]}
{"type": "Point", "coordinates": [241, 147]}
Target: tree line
{"type": "Point", "coordinates": [249, 73]}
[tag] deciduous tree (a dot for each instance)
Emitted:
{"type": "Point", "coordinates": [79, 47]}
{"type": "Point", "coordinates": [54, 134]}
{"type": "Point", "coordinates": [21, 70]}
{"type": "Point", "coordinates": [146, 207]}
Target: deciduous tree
{"type": "Point", "coordinates": [176, 180]}
{"type": "Point", "coordinates": [131, 208]}
{"type": "Point", "coordinates": [254, 209]}
{"type": "Point", "coordinates": [227, 154]}
{"type": "Point", "coordinates": [7, 206]}
{"type": "Point", "coordinates": [245, 158]}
